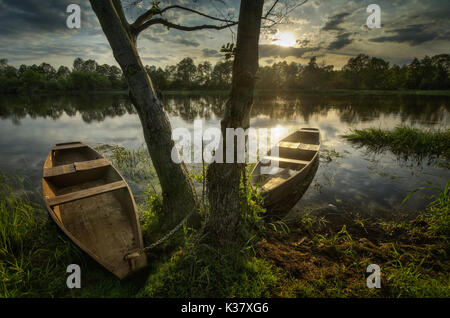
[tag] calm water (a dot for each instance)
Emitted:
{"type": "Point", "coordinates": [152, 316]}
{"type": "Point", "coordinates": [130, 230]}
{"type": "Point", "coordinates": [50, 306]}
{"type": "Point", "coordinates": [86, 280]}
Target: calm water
{"type": "Point", "coordinates": [349, 177]}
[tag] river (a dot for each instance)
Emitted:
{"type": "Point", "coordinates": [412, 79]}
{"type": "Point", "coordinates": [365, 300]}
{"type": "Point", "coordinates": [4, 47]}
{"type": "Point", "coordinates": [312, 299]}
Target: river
{"type": "Point", "coordinates": [348, 176]}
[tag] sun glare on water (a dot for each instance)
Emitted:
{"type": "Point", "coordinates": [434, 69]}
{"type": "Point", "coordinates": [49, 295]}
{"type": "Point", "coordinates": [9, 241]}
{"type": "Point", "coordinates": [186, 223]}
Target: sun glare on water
{"type": "Point", "coordinates": [284, 39]}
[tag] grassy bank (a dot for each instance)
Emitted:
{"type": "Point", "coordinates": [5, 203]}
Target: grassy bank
{"type": "Point", "coordinates": [34, 253]}
{"type": "Point", "coordinates": [322, 254]}
{"type": "Point", "coordinates": [404, 141]}
{"type": "Point", "coordinates": [326, 254]}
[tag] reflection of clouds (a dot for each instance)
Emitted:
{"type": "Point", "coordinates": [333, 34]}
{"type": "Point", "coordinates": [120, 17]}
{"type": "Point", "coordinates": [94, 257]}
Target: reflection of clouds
{"type": "Point", "coordinates": [328, 131]}
{"type": "Point", "coordinates": [360, 179]}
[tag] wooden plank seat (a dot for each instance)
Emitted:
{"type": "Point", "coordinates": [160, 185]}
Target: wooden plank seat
{"type": "Point", "coordinates": [287, 160]}
{"type": "Point", "coordinates": [91, 164]}
{"type": "Point", "coordinates": [298, 145]}
{"type": "Point", "coordinates": [68, 146]}
{"type": "Point", "coordinates": [58, 170]}
{"type": "Point", "coordinates": [86, 193]}
{"type": "Point", "coordinates": [311, 147]}
{"type": "Point", "coordinates": [74, 167]}
{"type": "Point", "coordinates": [288, 144]}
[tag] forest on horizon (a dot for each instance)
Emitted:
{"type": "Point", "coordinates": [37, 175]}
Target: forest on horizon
{"type": "Point", "coordinates": [360, 72]}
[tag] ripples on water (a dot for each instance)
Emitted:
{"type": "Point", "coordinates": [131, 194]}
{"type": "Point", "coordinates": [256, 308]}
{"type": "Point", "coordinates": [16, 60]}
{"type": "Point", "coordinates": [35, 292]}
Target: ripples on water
{"type": "Point", "coordinates": [348, 177]}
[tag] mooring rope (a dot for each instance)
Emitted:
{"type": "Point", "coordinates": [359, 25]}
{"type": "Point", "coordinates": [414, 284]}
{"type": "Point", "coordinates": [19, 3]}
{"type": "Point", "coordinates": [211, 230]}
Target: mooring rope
{"type": "Point", "coordinates": [169, 234]}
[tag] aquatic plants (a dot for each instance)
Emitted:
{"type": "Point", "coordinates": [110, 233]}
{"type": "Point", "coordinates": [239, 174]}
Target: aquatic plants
{"type": "Point", "coordinates": [404, 141]}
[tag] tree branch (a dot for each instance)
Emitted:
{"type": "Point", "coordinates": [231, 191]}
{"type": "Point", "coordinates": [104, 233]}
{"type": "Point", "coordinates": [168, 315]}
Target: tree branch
{"type": "Point", "coordinates": [180, 27]}
{"type": "Point", "coordinates": [279, 15]}
{"type": "Point", "coordinates": [270, 10]}
{"type": "Point", "coordinates": [152, 12]}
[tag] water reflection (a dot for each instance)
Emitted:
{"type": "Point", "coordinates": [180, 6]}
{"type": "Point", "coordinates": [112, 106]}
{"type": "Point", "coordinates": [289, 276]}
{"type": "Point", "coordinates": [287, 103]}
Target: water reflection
{"type": "Point", "coordinates": [350, 177]}
{"type": "Point", "coordinates": [90, 107]}
{"type": "Point", "coordinates": [350, 109]}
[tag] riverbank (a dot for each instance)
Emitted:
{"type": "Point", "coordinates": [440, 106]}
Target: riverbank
{"type": "Point", "coordinates": [323, 253]}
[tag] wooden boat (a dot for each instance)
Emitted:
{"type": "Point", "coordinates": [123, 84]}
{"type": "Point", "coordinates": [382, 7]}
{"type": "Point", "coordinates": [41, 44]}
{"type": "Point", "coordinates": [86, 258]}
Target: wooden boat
{"type": "Point", "coordinates": [93, 205]}
{"type": "Point", "coordinates": [294, 168]}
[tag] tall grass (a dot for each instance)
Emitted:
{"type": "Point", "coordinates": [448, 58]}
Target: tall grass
{"type": "Point", "coordinates": [33, 256]}
{"type": "Point", "coordinates": [404, 141]}
{"type": "Point", "coordinates": [135, 164]}
{"type": "Point", "coordinates": [34, 253]}
{"type": "Point", "coordinates": [437, 214]}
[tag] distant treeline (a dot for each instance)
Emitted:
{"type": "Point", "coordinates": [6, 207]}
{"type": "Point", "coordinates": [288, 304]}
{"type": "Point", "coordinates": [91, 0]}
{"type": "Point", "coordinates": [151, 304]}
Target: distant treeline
{"type": "Point", "coordinates": [360, 72]}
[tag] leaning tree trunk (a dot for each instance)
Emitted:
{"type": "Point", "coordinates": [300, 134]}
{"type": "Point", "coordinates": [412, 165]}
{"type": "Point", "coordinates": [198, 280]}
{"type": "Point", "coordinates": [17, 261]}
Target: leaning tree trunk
{"type": "Point", "coordinates": [179, 197]}
{"type": "Point", "coordinates": [223, 179]}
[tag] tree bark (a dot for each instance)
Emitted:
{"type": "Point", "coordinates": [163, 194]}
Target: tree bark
{"type": "Point", "coordinates": [223, 179]}
{"type": "Point", "coordinates": [179, 197]}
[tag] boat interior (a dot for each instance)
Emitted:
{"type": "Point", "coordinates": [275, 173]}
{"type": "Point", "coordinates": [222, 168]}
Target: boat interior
{"type": "Point", "coordinates": [293, 153]}
{"type": "Point", "coordinates": [91, 201]}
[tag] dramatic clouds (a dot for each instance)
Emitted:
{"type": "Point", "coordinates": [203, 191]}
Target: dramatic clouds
{"type": "Point", "coordinates": [334, 22]}
{"type": "Point", "coordinates": [341, 41]}
{"type": "Point", "coordinates": [211, 53]}
{"type": "Point", "coordinates": [32, 16]}
{"type": "Point", "coordinates": [272, 50]}
{"type": "Point", "coordinates": [34, 31]}
{"type": "Point", "coordinates": [415, 34]}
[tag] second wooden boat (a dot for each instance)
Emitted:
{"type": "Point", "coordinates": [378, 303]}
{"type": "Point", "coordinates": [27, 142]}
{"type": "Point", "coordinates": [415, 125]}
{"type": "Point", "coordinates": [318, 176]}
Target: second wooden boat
{"type": "Point", "coordinates": [297, 160]}
{"type": "Point", "coordinates": [93, 205]}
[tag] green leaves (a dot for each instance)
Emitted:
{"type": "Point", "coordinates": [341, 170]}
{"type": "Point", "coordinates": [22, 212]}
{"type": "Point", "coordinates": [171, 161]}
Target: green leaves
{"type": "Point", "coordinates": [229, 49]}
{"type": "Point", "coordinates": [155, 7]}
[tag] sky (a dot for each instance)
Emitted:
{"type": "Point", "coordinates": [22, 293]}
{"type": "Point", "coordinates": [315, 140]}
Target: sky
{"type": "Point", "coordinates": [35, 31]}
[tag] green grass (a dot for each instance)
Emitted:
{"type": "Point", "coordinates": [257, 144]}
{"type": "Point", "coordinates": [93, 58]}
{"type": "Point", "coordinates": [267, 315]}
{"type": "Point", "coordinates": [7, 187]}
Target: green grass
{"type": "Point", "coordinates": [320, 255]}
{"type": "Point", "coordinates": [34, 253]}
{"type": "Point", "coordinates": [202, 271]}
{"type": "Point", "coordinates": [33, 256]}
{"type": "Point", "coordinates": [404, 141]}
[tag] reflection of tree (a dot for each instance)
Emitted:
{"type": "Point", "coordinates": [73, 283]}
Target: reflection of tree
{"type": "Point", "coordinates": [191, 107]}
{"type": "Point", "coordinates": [351, 109]}
{"type": "Point", "coordinates": [90, 107]}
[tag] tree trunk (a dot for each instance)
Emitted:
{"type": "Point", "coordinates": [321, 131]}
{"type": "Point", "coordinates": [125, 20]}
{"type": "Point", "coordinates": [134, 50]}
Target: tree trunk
{"type": "Point", "coordinates": [178, 193]}
{"type": "Point", "coordinates": [223, 179]}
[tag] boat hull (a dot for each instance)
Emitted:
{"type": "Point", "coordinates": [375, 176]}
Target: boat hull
{"type": "Point", "coordinates": [298, 154]}
{"type": "Point", "coordinates": [93, 205]}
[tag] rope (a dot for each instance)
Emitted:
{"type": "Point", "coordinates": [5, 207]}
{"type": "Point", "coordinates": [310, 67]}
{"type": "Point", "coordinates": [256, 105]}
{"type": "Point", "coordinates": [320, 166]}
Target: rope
{"type": "Point", "coordinates": [169, 234]}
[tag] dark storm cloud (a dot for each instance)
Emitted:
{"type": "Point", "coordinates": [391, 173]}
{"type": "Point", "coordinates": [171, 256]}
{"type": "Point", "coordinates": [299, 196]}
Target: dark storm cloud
{"type": "Point", "coordinates": [42, 50]}
{"type": "Point", "coordinates": [415, 34]}
{"type": "Point", "coordinates": [34, 16]}
{"type": "Point", "coordinates": [341, 41]}
{"type": "Point", "coordinates": [272, 50]}
{"type": "Point", "coordinates": [185, 41]}
{"type": "Point", "coordinates": [436, 15]}
{"type": "Point", "coordinates": [151, 38]}
{"type": "Point", "coordinates": [334, 22]}
{"type": "Point", "coordinates": [210, 53]}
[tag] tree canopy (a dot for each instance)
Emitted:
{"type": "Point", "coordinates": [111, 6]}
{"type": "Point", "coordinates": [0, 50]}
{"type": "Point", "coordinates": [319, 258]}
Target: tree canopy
{"type": "Point", "coordinates": [360, 72]}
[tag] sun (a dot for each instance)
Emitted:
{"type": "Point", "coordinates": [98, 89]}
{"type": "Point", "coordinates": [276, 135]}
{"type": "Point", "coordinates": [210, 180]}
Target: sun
{"type": "Point", "coordinates": [284, 39]}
